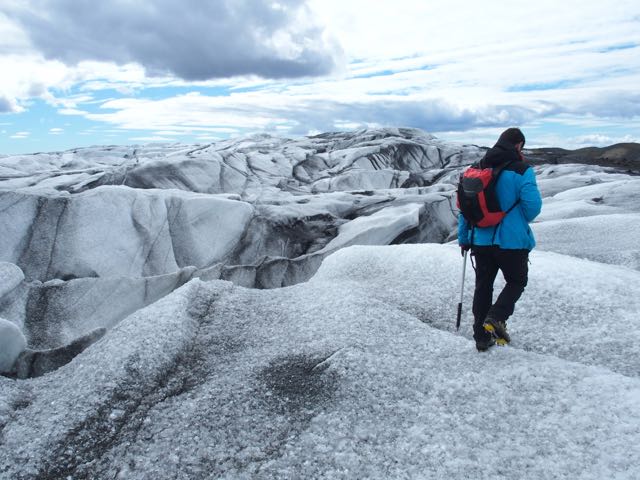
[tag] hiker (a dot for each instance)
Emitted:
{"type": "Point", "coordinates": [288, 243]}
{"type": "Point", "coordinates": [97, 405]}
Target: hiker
{"type": "Point", "coordinates": [506, 245]}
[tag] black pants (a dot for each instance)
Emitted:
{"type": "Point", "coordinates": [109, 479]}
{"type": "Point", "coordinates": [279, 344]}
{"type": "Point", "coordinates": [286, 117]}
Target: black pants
{"type": "Point", "coordinates": [514, 267]}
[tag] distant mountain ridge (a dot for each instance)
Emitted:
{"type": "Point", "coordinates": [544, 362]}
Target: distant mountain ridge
{"type": "Point", "coordinates": [620, 155]}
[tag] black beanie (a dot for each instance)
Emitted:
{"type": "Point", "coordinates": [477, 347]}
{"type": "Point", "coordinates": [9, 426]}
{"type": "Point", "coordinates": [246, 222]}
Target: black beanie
{"type": "Point", "coordinates": [512, 136]}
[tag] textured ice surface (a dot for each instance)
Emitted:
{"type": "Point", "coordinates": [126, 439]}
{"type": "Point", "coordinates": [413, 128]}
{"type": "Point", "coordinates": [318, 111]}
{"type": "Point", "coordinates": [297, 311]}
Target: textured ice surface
{"type": "Point", "coordinates": [612, 238]}
{"type": "Point", "coordinates": [10, 277]}
{"type": "Point", "coordinates": [570, 296]}
{"type": "Point", "coordinates": [12, 343]}
{"type": "Point", "coordinates": [553, 179]}
{"type": "Point", "coordinates": [589, 213]}
{"type": "Point", "coordinates": [355, 374]}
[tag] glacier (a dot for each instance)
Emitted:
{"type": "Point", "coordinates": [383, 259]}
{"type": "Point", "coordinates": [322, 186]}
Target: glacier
{"type": "Point", "coordinates": [354, 374]}
{"type": "Point", "coordinates": [101, 232]}
{"type": "Point", "coordinates": [351, 367]}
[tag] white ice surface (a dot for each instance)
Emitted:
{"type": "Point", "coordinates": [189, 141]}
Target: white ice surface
{"type": "Point", "coordinates": [10, 277]}
{"type": "Point", "coordinates": [572, 191]}
{"type": "Point", "coordinates": [553, 179]}
{"type": "Point", "coordinates": [612, 238]}
{"type": "Point", "coordinates": [589, 212]}
{"type": "Point", "coordinates": [12, 343]}
{"type": "Point", "coordinates": [355, 374]}
{"type": "Point", "coordinates": [623, 194]}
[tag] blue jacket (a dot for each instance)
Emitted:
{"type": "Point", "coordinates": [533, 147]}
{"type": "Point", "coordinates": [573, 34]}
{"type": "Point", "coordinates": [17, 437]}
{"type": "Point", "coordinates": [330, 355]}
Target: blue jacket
{"type": "Point", "coordinates": [516, 182]}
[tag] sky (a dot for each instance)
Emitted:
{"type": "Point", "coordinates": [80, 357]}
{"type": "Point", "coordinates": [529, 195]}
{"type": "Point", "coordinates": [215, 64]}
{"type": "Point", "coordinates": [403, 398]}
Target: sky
{"type": "Point", "coordinates": [77, 73]}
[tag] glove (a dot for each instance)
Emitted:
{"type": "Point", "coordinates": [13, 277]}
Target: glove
{"type": "Point", "coordinates": [464, 248]}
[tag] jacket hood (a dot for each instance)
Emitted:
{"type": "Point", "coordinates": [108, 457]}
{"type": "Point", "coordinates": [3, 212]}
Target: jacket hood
{"type": "Point", "coordinates": [502, 152]}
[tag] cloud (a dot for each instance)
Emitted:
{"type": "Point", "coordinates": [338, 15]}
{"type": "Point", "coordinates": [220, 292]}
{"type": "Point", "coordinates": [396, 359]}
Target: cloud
{"type": "Point", "coordinates": [602, 140]}
{"type": "Point", "coordinates": [432, 115]}
{"type": "Point", "coordinates": [192, 39]}
{"type": "Point", "coordinates": [6, 106]}
{"type": "Point", "coordinates": [20, 135]}
{"type": "Point", "coordinates": [56, 131]}
{"type": "Point", "coordinates": [593, 139]}
{"type": "Point", "coordinates": [438, 115]}
{"type": "Point", "coordinates": [255, 111]}
{"type": "Point", "coordinates": [613, 105]}
{"type": "Point", "coordinates": [162, 68]}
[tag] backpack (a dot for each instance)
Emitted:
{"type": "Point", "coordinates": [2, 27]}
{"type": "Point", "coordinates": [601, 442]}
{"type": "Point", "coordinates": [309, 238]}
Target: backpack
{"type": "Point", "coordinates": [477, 199]}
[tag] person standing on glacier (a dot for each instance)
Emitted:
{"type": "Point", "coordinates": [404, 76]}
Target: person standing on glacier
{"type": "Point", "coordinates": [504, 247]}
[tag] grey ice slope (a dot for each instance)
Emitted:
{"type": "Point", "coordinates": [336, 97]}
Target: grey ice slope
{"type": "Point", "coordinates": [331, 379]}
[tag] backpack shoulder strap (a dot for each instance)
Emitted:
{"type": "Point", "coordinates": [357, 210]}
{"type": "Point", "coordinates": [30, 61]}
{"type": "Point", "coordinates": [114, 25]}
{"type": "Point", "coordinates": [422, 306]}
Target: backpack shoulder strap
{"type": "Point", "coordinates": [499, 169]}
{"type": "Point", "coordinates": [497, 173]}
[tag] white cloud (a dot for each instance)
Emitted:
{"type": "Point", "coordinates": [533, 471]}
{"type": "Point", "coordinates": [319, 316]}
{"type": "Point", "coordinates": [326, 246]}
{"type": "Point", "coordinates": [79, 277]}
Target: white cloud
{"type": "Point", "coordinates": [68, 102]}
{"type": "Point", "coordinates": [20, 135]}
{"type": "Point", "coordinates": [28, 74]}
{"type": "Point", "coordinates": [593, 139]}
{"type": "Point", "coordinates": [602, 140]}
{"type": "Point", "coordinates": [56, 131]}
{"type": "Point", "coordinates": [34, 77]}
{"type": "Point", "coordinates": [404, 28]}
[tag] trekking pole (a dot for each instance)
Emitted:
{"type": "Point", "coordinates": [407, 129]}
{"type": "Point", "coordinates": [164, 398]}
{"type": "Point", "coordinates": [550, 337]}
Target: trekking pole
{"type": "Point", "coordinates": [464, 268]}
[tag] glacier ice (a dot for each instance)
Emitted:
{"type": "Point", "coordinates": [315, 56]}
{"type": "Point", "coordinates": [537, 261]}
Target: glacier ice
{"type": "Point", "coordinates": [101, 232]}
{"type": "Point", "coordinates": [353, 369]}
{"type": "Point", "coordinates": [355, 373]}
{"type": "Point", "coordinates": [12, 344]}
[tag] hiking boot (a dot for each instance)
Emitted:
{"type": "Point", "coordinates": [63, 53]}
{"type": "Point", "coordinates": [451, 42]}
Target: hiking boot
{"type": "Point", "coordinates": [484, 345]}
{"type": "Point", "coordinates": [497, 329]}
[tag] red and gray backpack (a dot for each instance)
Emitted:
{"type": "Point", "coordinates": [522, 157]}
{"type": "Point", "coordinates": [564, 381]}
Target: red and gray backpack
{"type": "Point", "coordinates": [477, 199]}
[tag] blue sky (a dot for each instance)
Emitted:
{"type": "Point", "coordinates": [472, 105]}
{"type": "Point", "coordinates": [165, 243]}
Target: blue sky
{"type": "Point", "coordinates": [79, 73]}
